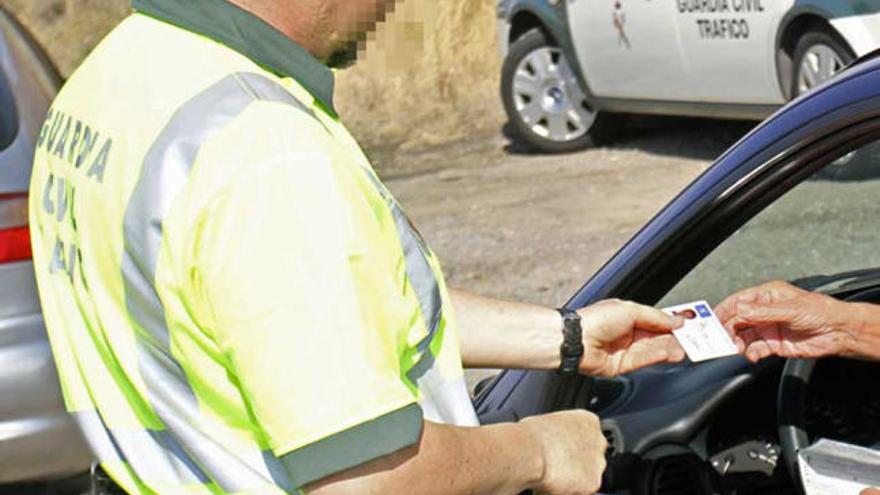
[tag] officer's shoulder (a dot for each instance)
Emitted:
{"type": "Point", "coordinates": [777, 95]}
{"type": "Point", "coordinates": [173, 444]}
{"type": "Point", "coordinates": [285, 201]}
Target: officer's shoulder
{"type": "Point", "coordinates": [286, 112]}
{"type": "Point", "coordinates": [285, 124]}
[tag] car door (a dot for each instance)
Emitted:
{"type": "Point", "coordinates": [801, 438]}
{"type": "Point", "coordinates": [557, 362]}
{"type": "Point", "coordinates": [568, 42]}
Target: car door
{"type": "Point", "coordinates": [628, 48]}
{"type": "Point", "coordinates": [729, 49]}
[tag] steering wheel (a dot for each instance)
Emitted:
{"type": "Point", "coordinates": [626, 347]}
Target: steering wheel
{"type": "Point", "coordinates": [791, 403]}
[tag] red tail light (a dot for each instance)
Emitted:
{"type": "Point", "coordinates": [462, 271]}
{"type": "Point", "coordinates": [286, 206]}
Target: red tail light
{"type": "Point", "coordinates": [15, 239]}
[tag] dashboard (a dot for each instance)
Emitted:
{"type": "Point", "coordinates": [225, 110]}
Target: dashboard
{"type": "Point", "coordinates": [719, 434]}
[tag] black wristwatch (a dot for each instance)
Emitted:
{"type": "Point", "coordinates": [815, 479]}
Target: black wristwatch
{"type": "Point", "coordinates": [572, 348]}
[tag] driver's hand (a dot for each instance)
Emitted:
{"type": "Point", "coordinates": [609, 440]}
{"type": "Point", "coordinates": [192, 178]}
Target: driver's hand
{"type": "Point", "coordinates": [780, 319]}
{"type": "Point", "coordinates": [621, 336]}
{"type": "Point", "coordinates": [870, 491]}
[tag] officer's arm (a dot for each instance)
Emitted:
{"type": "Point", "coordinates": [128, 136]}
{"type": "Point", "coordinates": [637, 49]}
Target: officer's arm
{"type": "Point", "coordinates": [448, 460]}
{"type": "Point", "coordinates": [619, 336]}
{"type": "Point", "coordinates": [557, 453]}
{"type": "Point", "coordinates": [501, 334]}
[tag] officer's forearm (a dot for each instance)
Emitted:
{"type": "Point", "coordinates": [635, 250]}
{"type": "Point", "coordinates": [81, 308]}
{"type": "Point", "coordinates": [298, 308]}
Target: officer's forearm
{"type": "Point", "coordinates": [449, 460]}
{"type": "Point", "coordinates": [500, 334]}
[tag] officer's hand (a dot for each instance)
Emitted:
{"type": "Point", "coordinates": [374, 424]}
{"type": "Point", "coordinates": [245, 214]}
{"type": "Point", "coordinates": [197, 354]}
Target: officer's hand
{"type": "Point", "coordinates": [870, 491]}
{"type": "Point", "coordinates": [573, 447]}
{"type": "Point", "coordinates": [621, 336]}
{"type": "Point", "coordinates": [779, 318]}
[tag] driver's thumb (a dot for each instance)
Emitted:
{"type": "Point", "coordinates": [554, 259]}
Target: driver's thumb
{"type": "Point", "coordinates": [870, 491]}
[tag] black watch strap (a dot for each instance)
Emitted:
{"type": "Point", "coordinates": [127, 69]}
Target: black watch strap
{"type": "Point", "coordinates": [572, 348]}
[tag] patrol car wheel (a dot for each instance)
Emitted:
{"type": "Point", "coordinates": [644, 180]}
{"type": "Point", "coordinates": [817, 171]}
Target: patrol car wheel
{"type": "Point", "coordinates": [818, 56]}
{"type": "Point", "coordinates": [544, 100]}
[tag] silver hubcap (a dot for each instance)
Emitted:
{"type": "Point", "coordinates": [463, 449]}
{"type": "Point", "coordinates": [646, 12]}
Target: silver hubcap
{"type": "Point", "coordinates": [548, 98]}
{"type": "Point", "coordinates": [820, 63]}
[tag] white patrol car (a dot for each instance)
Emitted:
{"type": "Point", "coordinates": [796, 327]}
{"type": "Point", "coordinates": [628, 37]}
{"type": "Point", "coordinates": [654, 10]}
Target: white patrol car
{"type": "Point", "coordinates": [572, 66]}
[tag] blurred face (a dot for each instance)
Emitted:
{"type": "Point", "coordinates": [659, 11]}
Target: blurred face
{"type": "Point", "coordinates": [347, 24]}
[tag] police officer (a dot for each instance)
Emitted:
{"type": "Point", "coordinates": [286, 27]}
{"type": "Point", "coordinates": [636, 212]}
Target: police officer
{"type": "Point", "coordinates": [235, 302]}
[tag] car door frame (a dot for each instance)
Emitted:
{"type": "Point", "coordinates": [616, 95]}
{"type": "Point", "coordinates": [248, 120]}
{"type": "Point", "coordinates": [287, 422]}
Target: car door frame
{"type": "Point", "coordinates": [769, 161]}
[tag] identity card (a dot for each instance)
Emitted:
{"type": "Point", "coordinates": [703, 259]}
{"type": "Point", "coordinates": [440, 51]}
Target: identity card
{"type": "Point", "coordinates": [702, 336]}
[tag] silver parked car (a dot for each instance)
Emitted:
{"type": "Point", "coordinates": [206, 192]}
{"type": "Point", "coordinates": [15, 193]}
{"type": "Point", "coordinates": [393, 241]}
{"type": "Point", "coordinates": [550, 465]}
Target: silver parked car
{"type": "Point", "coordinates": [37, 440]}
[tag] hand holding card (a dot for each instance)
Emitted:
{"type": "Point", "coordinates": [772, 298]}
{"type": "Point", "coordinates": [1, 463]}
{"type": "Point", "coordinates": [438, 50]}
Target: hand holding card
{"type": "Point", "coordinates": [703, 337]}
{"type": "Point", "coordinates": [621, 337]}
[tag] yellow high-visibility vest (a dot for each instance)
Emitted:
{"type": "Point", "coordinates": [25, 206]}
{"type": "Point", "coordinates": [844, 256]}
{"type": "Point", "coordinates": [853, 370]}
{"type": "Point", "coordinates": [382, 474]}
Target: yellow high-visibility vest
{"type": "Point", "coordinates": [235, 302]}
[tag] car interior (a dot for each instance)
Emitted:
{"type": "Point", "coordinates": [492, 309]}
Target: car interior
{"type": "Point", "coordinates": [729, 427]}
{"type": "Point", "coordinates": [734, 428]}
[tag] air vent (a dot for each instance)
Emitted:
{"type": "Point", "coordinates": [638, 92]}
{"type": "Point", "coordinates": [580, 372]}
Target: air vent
{"type": "Point", "coordinates": [680, 475]}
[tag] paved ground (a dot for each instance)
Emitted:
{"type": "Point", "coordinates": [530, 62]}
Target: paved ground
{"type": "Point", "coordinates": [534, 227]}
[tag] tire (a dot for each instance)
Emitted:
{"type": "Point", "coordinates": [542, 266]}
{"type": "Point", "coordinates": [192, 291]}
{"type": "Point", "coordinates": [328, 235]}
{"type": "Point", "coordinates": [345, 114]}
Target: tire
{"type": "Point", "coordinates": [537, 88]}
{"type": "Point", "coordinates": [813, 51]}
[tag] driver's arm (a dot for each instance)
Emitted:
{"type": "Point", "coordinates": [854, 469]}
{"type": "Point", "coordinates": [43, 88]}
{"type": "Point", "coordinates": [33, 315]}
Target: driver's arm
{"type": "Point", "coordinates": [619, 336]}
{"type": "Point", "coordinates": [780, 319]}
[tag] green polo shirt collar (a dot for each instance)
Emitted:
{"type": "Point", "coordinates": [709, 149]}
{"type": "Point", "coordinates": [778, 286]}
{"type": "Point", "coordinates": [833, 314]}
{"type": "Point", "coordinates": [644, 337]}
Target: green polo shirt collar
{"type": "Point", "coordinates": [248, 35]}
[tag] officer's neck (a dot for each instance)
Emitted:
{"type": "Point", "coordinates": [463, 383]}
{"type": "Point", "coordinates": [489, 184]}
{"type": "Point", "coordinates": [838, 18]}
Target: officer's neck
{"type": "Point", "coordinates": [302, 22]}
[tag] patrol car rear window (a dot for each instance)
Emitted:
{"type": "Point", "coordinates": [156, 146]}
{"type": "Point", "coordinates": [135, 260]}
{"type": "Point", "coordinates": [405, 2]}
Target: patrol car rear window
{"type": "Point", "coordinates": [8, 114]}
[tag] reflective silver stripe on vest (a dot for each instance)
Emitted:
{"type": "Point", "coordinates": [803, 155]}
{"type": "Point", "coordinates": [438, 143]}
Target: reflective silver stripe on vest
{"type": "Point", "coordinates": [420, 275]}
{"type": "Point", "coordinates": [155, 456]}
{"type": "Point", "coordinates": [164, 175]}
